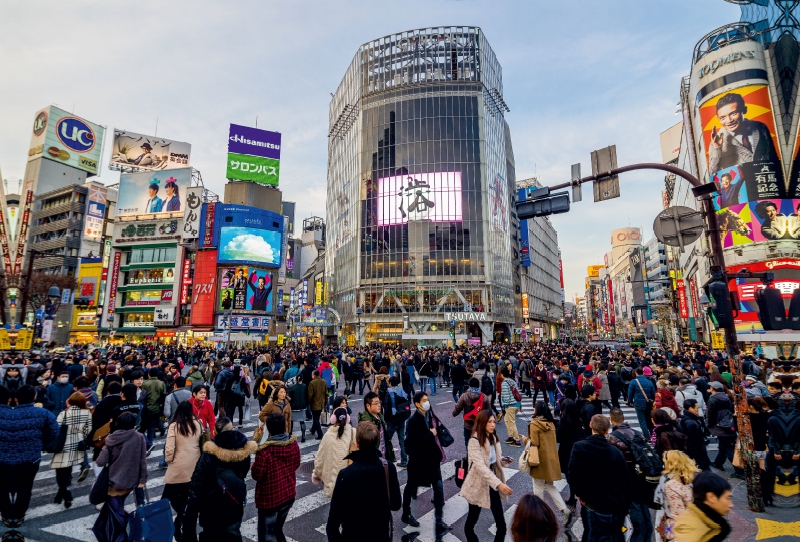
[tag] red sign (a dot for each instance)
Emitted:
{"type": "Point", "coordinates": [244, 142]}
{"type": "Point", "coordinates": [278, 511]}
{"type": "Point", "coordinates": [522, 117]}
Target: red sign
{"type": "Point", "coordinates": [112, 294]}
{"type": "Point", "coordinates": [23, 228]}
{"type": "Point", "coordinates": [747, 291]}
{"type": "Point", "coordinates": [611, 312]}
{"type": "Point", "coordinates": [693, 293]}
{"type": "Point", "coordinates": [166, 296]}
{"type": "Point", "coordinates": [166, 333]}
{"type": "Point", "coordinates": [768, 265]}
{"type": "Point", "coordinates": [208, 227]}
{"type": "Point", "coordinates": [682, 304]}
{"type": "Point", "coordinates": [187, 280]}
{"type": "Point", "coordinates": [204, 290]}
{"type": "Point", "coordinates": [561, 273]}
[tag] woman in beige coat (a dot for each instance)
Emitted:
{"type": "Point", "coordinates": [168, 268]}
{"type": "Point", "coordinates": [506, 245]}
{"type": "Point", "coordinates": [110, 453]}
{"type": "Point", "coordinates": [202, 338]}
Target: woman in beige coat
{"type": "Point", "coordinates": [484, 486]}
{"type": "Point", "coordinates": [181, 453]}
{"type": "Point", "coordinates": [335, 446]}
{"type": "Point", "coordinates": [542, 433]}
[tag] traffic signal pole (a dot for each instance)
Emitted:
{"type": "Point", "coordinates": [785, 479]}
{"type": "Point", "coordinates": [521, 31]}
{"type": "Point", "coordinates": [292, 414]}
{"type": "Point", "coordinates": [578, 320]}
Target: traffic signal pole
{"type": "Point", "coordinates": [745, 441]}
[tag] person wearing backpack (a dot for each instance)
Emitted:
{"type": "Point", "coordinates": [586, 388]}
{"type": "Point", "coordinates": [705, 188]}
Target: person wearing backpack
{"type": "Point", "coordinates": [470, 404]}
{"type": "Point", "coordinates": [238, 392]}
{"type": "Point", "coordinates": [721, 424]}
{"type": "Point", "coordinates": [220, 386]}
{"type": "Point", "coordinates": [525, 374]}
{"type": "Point", "coordinates": [396, 411]}
{"type": "Point", "coordinates": [510, 402]}
{"type": "Point", "coordinates": [217, 491]}
{"type": "Point", "coordinates": [458, 377]}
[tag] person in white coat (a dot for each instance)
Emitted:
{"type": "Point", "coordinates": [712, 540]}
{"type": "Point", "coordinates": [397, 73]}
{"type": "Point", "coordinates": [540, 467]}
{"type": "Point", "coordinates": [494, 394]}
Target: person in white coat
{"type": "Point", "coordinates": [78, 419]}
{"type": "Point", "coordinates": [687, 390]}
{"type": "Point", "coordinates": [336, 444]}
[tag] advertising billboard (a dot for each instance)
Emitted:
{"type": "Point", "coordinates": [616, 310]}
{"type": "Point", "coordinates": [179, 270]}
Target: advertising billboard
{"type": "Point", "coordinates": [204, 288]}
{"type": "Point", "coordinates": [132, 150]}
{"type": "Point", "coordinates": [253, 155]}
{"type": "Point", "coordinates": [152, 192]}
{"type": "Point", "coordinates": [787, 279]}
{"type": "Point", "coordinates": [593, 270]}
{"type": "Point", "coordinates": [65, 138]}
{"type": "Point", "coordinates": [421, 196]}
{"type": "Point", "coordinates": [247, 235]}
{"type": "Point", "coordinates": [192, 211]}
{"type": "Point", "coordinates": [243, 288]}
{"type": "Point", "coordinates": [95, 212]}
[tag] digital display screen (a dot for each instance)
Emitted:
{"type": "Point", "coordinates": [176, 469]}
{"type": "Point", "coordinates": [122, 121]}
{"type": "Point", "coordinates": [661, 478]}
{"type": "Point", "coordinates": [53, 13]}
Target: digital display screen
{"type": "Point", "coordinates": [243, 244]}
{"type": "Point", "coordinates": [420, 196]}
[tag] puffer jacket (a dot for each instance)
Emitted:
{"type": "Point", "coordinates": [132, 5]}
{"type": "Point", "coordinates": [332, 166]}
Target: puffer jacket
{"type": "Point", "coordinates": [332, 453]}
{"type": "Point", "coordinates": [666, 399]}
{"type": "Point", "coordinates": [690, 391]}
{"type": "Point", "coordinates": [24, 431]}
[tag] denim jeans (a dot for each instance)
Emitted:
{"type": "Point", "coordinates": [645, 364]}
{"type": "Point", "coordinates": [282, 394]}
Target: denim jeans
{"type": "Point", "coordinates": [605, 527]}
{"type": "Point", "coordinates": [432, 381]}
{"type": "Point", "coordinates": [641, 521]}
{"type": "Point", "coordinates": [457, 392]}
{"type": "Point", "coordinates": [400, 429]}
{"type": "Point", "coordinates": [270, 523]}
{"type": "Point", "coordinates": [641, 415]}
{"type": "Point", "coordinates": [726, 451]}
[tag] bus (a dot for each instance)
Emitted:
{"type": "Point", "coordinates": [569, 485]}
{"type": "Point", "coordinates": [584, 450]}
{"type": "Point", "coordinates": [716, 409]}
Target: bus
{"type": "Point", "coordinates": [637, 339]}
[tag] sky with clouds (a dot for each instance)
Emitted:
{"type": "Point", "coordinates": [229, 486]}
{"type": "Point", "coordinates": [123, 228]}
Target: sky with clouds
{"type": "Point", "coordinates": [577, 74]}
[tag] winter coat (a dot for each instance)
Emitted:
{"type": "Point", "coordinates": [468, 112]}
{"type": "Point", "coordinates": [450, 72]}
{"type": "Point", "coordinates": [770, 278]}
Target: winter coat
{"type": "Point", "coordinates": [298, 395]}
{"type": "Point", "coordinates": [272, 407]}
{"type": "Point", "coordinates": [604, 394]}
{"type": "Point", "coordinates": [229, 450]}
{"type": "Point", "coordinates": [57, 395]}
{"type": "Point", "coordinates": [690, 391]}
{"type": "Point", "coordinates": [665, 398]}
{"type": "Point", "coordinates": [717, 402]}
{"type": "Point", "coordinates": [24, 431]}
{"type": "Point", "coordinates": [275, 472]}
{"type": "Point", "coordinates": [156, 390]}
{"type": "Point", "coordinates": [424, 455]}
{"type": "Point", "coordinates": [696, 525]}
{"type": "Point", "coordinates": [694, 429]}
{"type": "Point", "coordinates": [378, 379]}
{"type": "Point", "coordinates": [539, 378]}
{"type": "Point", "coordinates": [125, 453]}
{"type": "Point", "coordinates": [586, 410]}
{"type": "Point", "coordinates": [365, 477]}
{"type": "Point", "coordinates": [181, 453]}
{"type": "Point", "coordinates": [635, 395]}
{"type": "Point", "coordinates": [466, 404]}
{"type": "Point", "coordinates": [317, 394]}
{"type": "Point", "coordinates": [331, 455]}
{"type": "Point", "coordinates": [567, 435]}
{"type": "Point", "coordinates": [205, 413]}
{"type": "Point", "coordinates": [507, 396]}
{"type": "Point", "coordinates": [194, 377]}
{"type": "Point", "coordinates": [598, 474]}
{"type": "Point", "coordinates": [174, 399]}
{"type": "Point", "coordinates": [480, 477]}
{"type": "Point", "coordinates": [79, 423]}
{"type": "Point", "coordinates": [387, 450]}
{"type": "Point", "coordinates": [543, 435]}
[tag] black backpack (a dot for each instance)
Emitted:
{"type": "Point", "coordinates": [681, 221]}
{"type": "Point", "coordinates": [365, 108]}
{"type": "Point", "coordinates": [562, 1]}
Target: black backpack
{"type": "Point", "coordinates": [486, 385]}
{"type": "Point", "coordinates": [647, 461]}
{"type": "Point", "coordinates": [402, 407]}
{"type": "Point", "coordinates": [725, 419]}
{"type": "Point", "coordinates": [236, 389]}
{"type": "Point", "coordinates": [232, 494]}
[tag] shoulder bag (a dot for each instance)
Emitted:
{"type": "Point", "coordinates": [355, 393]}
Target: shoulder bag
{"type": "Point", "coordinates": [523, 459]}
{"type": "Point", "coordinates": [443, 433]}
{"type": "Point", "coordinates": [389, 496]}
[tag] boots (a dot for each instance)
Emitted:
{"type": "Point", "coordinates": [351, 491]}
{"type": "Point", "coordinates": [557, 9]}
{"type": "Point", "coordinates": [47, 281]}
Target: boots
{"type": "Point", "coordinates": [59, 496]}
{"type": "Point", "coordinates": [766, 492]}
{"type": "Point", "coordinates": [302, 431]}
{"type": "Point", "coordinates": [67, 498]}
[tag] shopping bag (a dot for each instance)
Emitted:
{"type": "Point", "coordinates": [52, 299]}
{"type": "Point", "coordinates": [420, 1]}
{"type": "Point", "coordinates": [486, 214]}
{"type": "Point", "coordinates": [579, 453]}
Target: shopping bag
{"type": "Point", "coordinates": [523, 459]}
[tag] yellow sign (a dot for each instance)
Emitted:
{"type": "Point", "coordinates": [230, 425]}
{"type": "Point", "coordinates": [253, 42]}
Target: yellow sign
{"type": "Point", "coordinates": [24, 339]}
{"type": "Point", "coordinates": [318, 293]}
{"type": "Point", "coordinates": [718, 340]}
{"type": "Point", "coordinates": [5, 343]}
{"type": "Point", "coordinates": [326, 299]}
{"type": "Point", "coordinates": [351, 340]}
{"type": "Point", "coordinates": [281, 339]}
{"type": "Point", "coordinates": [594, 270]}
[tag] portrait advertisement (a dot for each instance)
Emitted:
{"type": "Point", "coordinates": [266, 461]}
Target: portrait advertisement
{"type": "Point", "coordinates": [233, 288]}
{"type": "Point", "coordinates": [735, 225]}
{"type": "Point", "coordinates": [730, 187]}
{"type": "Point", "coordinates": [153, 192]}
{"type": "Point", "coordinates": [259, 291]}
{"type": "Point", "coordinates": [776, 219]}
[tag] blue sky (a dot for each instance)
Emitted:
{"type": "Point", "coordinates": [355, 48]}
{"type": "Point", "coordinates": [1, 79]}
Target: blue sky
{"type": "Point", "coordinates": [577, 75]}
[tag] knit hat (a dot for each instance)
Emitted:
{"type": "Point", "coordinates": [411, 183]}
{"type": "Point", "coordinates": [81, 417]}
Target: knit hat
{"type": "Point", "coordinates": [647, 371]}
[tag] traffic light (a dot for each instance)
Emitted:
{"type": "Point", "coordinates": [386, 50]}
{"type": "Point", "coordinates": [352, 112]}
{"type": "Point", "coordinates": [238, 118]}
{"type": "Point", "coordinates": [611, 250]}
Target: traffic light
{"type": "Point", "coordinates": [719, 298]}
{"type": "Point", "coordinates": [552, 205]}
{"type": "Point", "coordinates": [452, 334]}
{"type": "Point", "coordinates": [771, 312]}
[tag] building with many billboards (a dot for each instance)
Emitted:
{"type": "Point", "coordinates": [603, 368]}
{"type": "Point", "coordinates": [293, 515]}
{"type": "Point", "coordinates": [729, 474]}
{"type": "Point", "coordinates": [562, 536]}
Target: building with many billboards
{"type": "Point", "coordinates": [420, 238]}
{"type": "Point", "coordinates": [740, 131]}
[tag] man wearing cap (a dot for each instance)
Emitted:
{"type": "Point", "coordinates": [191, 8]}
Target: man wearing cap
{"type": "Point", "coordinates": [146, 158]}
{"type": "Point", "coordinates": [719, 417]}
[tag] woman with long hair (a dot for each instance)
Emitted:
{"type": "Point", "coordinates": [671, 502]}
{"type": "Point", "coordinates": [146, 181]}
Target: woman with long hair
{"type": "Point", "coordinates": [335, 446]}
{"type": "Point", "coordinates": [569, 432]}
{"type": "Point", "coordinates": [533, 521]}
{"type": "Point", "coordinates": [182, 451]}
{"type": "Point", "coordinates": [78, 419]}
{"type": "Point", "coordinates": [279, 402]}
{"type": "Point", "coordinates": [542, 433]}
{"type": "Point", "coordinates": [484, 486]}
{"type": "Point", "coordinates": [679, 470]}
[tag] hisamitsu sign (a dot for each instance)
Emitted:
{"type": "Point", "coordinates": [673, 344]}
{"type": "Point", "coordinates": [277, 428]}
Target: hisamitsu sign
{"type": "Point", "coordinates": [253, 155]}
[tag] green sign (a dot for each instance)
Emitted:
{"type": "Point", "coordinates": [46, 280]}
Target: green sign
{"type": "Point", "coordinates": [243, 167]}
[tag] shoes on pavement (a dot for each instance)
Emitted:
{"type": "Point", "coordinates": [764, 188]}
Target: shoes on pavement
{"type": "Point", "coordinates": [67, 499]}
{"type": "Point", "coordinates": [792, 479]}
{"type": "Point", "coordinates": [509, 440]}
{"type": "Point", "coordinates": [82, 476]}
{"type": "Point", "coordinates": [13, 523]}
{"type": "Point", "coordinates": [163, 465]}
{"type": "Point", "coordinates": [59, 496]}
{"type": "Point", "coordinates": [442, 527]}
{"type": "Point", "coordinates": [410, 520]}
{"type": "Point", "coordinates": [567, 517]}
{"type": "Point", "coordinates": [402, 465]}
{"type": "Point", "coordinates": [515, 444]}
{"type": "Point", "coordinates": [98, 507]}
{"type": "Point", "coordinates": [13, 536]}
{"type": "Point", "coordinates": [318, 437]}
{"type": "Point", "coordinates": [150, 449]}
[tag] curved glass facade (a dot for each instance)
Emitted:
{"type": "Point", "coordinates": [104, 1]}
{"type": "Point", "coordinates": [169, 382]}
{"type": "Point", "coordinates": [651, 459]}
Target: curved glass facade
{"type": "Point", "coordinates": [419, 193]}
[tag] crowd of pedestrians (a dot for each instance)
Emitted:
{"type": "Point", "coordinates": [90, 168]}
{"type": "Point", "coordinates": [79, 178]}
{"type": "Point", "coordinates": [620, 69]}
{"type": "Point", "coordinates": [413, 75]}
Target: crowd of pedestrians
{"type": "Point", "coordinates": [101, 411]}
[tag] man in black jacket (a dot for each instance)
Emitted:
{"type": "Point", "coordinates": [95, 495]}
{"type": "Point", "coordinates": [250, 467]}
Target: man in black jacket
{"type": "Point", "coordinates": [719, 417]}
{"type": "Point", "coordinates": [694, 427]}
{"type": "Point", "coordinates": [604, 493]}
{"type": "Point", "coordinates": [458, 375]}
{"type": "Point", "coordinates": [367, 480]}
{"type": "Point", "coordinates": [587, 408]}
{"type": "Point", "coordinates": [424, 458]}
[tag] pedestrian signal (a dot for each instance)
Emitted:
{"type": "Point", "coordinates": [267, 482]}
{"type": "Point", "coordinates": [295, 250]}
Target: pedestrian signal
{"type": "Point", "coordinates": [719, 298]}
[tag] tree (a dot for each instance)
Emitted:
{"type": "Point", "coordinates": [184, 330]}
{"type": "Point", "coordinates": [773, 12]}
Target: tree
{"type": "Point", "coordinates": [41, 283]}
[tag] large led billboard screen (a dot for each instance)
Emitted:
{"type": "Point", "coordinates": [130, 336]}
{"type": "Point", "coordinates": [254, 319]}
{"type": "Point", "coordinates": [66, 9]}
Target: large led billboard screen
{"type": "Point", "coordinates": [153, 192]}
{"type": "Point", "coordinates": [247, 235]}
{"type": "Point", "coordinates": [420, 196]}
{"type": "Point", "coordinates": [245, 288]}
{"type": "Point", "coordinates": [132, 150]}
{"type": "Point", "coordinates": [63, 137]}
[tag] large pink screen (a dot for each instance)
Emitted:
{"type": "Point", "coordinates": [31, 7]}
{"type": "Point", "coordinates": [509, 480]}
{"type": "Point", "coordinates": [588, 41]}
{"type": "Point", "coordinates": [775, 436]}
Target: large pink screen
{"type": "Point", "coordinates": [420, 196]}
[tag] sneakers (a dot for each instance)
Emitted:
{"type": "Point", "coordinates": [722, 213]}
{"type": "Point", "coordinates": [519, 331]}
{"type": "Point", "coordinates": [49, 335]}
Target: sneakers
{"type": "Point", "coordinates": [442, 527]}
{"type": "Point", "coordinates": [509, 440]}
{"type": "Point", "coordinates": [515, 443]}
{"type": "Point", "coordinates": [84, 473]}
{"type": "Point", "coordinates": [410, 520]}
{"type": "Point", "coordinates": [163, 465]}
{"type": "Point", "coordinates": [150, 449]}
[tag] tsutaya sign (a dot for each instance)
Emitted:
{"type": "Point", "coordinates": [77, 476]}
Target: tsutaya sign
{"type": "Point", "coordinates": [466, 316]}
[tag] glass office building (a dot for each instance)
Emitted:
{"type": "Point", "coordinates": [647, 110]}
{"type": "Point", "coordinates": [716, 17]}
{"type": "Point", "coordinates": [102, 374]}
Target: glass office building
{"type": "Point", "coordinates": [420, 191]}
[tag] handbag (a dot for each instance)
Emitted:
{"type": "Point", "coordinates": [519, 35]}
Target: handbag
{"type": "Point", "coordinates": [248, 413]}
{"type": "Point", "coordinates": [533, 456]}
{"type": "Point", "coordinates": [205, 436]}
{"type": "Point", "coordinates": [523, 459]}
{"type": "Point", "coordinates": [462, 468]}
{"type": "Point", "coordinates": [443, 433]}
{"type": "Point", "coordinates": [99, 491]}
{"type": "Point", "coordinates": [515, 392]}
{"type": "Point", "coordinates": [738, 460]}
{"type": "Point", "coordinates": [325, 418]}
{"type": "Point", "coordinates": [57, 445]}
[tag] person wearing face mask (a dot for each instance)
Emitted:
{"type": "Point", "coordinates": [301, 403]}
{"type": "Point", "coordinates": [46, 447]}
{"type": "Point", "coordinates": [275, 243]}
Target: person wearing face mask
{"type": "Point", "coordinates": [424, 460]}
{"type": "Point", "coordinates": [58, 392]}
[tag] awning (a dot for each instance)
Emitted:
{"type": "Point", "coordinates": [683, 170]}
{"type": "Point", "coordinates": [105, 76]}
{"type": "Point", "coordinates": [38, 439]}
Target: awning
{"type": "Point", "coordinates": [769, 337]}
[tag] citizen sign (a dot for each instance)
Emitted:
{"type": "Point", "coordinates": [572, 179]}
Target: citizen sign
{"type": "Point", "coordinates": [466, 316]}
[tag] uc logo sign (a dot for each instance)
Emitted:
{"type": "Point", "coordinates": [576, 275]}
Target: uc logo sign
{"type": "Point", "coordinates": [75, 134]}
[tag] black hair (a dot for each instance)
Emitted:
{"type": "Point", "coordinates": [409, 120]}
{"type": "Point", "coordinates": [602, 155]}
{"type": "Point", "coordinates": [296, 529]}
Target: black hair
{"type": "Point", "coordinates": [276, 424]}
{"type": "Point", "coordinates": [224, 422]}
{"type": "Point", "coordinates": [153, 372]}
{"type": "Point", "coordinates": [338, 401]}
{"type": "Point", "coordinates": [689, 403]}
{"type": "Point", "coordinates": [340, 417]}
{"type": "Point", "coordinates": [542, 410]}
{"type": "Point", "coordinates": [113, 388]}
{"type": "Point", "coordinates": [197, 387]}
{"type": "Point", "coordinates": [474, 382]}
{"type": "Point", "coordinates": [129, 391]}
{"type": "Point", "coordinates": [81, 382]}
{"type": "Point", "coordinates": [135, 375]}
{"type": "Point", "coordinates": [418, 396]}
{"type": "Point", "coordinates": [587, 391]}
{"type": "Point", "coordinates": [394, 381]}
{"type": "Point", "coordinates": [180, 382]}
{"type": "Point", "coordinates": [184, 419]}
{"type": "Point", "coordinates": [26, 394]}
{"type": "Point", "coordinates": [368, 398]}
{"type": "Point", "coordinates": [708, 482]}
{"type": "Point", "coordinates": [732, 98]}
{"type": "Point", "coordinates": [126, 420]}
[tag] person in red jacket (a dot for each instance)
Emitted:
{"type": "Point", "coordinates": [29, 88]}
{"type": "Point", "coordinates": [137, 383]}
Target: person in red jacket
{"type": "Point", "coordinates": [203, 408]}
{"type": "Point", "coordinates": [665, 397]}
{"type": "Point", "coordinates": [275, 473]}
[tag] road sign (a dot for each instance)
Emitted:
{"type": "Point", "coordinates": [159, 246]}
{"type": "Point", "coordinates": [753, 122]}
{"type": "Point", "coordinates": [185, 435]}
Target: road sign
{"type": "Point", "coordinates": [678, 226]}
{"type": "Point", "coordinates": [577, 195]}
{"type": "Point", "coordinates": [39, 313]}
{"type": "Point", "coordinates": [604, 160]}
{"type": "Point", "coordinates": [718, 340]}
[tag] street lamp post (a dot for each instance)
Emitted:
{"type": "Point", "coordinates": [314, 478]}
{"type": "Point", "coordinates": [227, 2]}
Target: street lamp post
{"type": "Point", "coordinates": [359, 311]}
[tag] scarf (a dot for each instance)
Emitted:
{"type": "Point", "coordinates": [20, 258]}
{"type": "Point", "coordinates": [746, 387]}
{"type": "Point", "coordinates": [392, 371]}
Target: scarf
{"type": "Point", "coordinates": [279, 438]}
{"type": "Point", "coordinates": [718, 519]}
{"type": "Point", "coordinates": [476, 390]}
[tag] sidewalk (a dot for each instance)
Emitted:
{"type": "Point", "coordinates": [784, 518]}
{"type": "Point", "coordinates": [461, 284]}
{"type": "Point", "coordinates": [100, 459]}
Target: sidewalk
{"type": "Point", "coordinates": [777, 523]}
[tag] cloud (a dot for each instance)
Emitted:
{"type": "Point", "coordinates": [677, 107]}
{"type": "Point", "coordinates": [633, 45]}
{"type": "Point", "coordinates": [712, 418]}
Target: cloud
{"type": "Point", "coordinates": [249, 247]}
